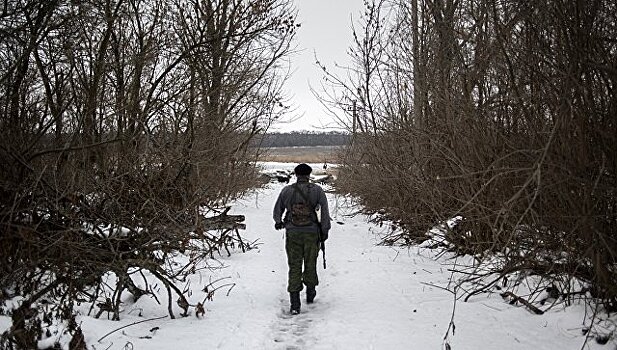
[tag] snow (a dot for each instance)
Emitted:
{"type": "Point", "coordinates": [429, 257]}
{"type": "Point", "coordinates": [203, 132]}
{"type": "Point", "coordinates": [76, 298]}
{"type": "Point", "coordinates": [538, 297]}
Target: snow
{"type": "Point", "coordinates": [369, 297]}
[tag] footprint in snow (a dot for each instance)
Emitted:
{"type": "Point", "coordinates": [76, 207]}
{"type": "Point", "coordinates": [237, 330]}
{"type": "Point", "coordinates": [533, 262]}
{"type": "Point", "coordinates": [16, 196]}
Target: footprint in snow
{"type": "Point", "coordinates": [292, 332]}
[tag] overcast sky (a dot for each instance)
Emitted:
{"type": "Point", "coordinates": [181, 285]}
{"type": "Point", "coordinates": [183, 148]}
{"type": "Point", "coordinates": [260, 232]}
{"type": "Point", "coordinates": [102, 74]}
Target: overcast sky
{"type": "Point", "coordinates": [326, 32]}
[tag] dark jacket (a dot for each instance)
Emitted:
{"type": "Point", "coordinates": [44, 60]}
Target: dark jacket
{"type": "Point", "coordinates": [288, 196]}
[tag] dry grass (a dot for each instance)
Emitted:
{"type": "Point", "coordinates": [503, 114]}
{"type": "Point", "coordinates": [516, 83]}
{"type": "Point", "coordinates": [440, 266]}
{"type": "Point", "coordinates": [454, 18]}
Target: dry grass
{"type": "Point", "coordinates": [313, 154]}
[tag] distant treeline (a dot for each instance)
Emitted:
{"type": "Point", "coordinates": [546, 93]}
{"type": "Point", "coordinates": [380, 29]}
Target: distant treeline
{"type": "Point", "coordinates": [304, 138]}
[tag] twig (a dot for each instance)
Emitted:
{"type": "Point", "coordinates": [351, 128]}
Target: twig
{"type": "Point", "coordinates": [486, 286]}
{"type": "Point", "coordinates": [491, 307]}
{"type": "Point", "coordinates": [210, 293]}
{"type": "Point", "coordinates": [451, 324]}
{"type": "Point", "coordinates": [436, 286]}
{"type": "Point", "coordinates": [132, 324]}
{"type": "Point", "coordinates": [230, 288]}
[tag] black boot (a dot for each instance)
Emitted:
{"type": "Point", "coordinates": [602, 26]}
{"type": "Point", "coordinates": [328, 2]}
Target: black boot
{"type": "Point", "coordinates": [294, 298]}
{"type": "Point", "coordinates": [310, 294]}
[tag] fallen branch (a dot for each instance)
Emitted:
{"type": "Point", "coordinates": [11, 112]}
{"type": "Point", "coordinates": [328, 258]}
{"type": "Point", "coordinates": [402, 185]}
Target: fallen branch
{"type": "Point", "coordinates": [224, 221]}
{"type": "Point", "coordinates": [516, 298]}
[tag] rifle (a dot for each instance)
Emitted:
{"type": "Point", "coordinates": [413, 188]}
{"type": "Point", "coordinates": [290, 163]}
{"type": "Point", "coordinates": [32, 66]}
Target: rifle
{"type": "Point", "coordinates": [322, 245]}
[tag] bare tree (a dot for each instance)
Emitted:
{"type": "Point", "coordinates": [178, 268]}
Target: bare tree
{"type": "Point", "coordinates": [501, 113]}
{"type": "Point", "coordinates": [125, 129]}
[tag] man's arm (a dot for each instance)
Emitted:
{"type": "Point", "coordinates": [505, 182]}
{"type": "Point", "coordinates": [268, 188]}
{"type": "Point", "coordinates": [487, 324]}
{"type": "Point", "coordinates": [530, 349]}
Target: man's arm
{"type": "Point", "coordinates": [325, 212]}
{"type": "Point", "coordinates": [279, 209]}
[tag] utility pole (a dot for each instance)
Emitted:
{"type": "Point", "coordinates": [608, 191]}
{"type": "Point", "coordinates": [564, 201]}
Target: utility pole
{"type": "Point", "coordinates": [355, 118]}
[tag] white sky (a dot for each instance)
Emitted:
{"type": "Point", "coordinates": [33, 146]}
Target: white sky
{"type": "Point", "coordinates": [325, 32]}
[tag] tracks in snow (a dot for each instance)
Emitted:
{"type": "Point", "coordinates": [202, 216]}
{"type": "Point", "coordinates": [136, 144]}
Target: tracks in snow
{"type": "Point", "coordinates": [293, 332]}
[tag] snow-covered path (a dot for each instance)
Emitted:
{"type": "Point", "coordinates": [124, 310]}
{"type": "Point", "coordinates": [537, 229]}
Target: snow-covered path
{"type": "Point", "coordinates": [369, 297]}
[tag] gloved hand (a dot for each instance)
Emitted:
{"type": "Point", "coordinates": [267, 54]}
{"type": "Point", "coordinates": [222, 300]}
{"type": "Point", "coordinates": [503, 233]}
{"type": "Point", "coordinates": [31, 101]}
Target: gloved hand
{"type": "Point", "coordinates": [279, 226]}
{"type": "Point", "coordinates": [324, 236]}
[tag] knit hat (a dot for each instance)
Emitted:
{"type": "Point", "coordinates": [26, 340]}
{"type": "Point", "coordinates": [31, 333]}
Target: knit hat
{"type": "Point", "coordinates": [303, 169]}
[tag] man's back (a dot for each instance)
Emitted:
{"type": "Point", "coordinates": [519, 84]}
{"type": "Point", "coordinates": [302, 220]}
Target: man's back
{"type": "Point", "coordinates": [316, 198]}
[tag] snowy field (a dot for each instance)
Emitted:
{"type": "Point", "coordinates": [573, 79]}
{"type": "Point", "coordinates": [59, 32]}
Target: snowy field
{"type": "Point", "coordinates": [369, 297]}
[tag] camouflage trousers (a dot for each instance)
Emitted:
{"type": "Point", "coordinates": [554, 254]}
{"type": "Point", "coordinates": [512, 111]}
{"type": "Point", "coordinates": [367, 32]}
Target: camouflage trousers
{"type": "Point", "coordinates": [302, 251]}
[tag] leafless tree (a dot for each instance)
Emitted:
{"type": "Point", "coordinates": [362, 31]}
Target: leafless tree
{"type": "Point", "coordinates": [125, 127]}
{"type": "Point", "coordinates": [502, 113]}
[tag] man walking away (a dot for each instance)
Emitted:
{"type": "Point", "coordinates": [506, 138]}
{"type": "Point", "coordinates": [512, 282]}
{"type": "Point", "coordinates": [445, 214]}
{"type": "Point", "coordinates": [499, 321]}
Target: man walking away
{"type": "Point", "coordinates": [299, 202]}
